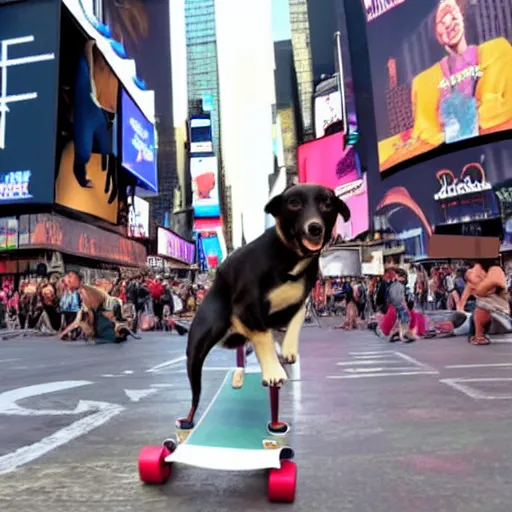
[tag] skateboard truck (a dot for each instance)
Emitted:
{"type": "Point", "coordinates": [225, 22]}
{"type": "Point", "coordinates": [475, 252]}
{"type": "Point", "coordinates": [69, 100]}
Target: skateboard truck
{"type": "Point", "coordinates": [274, 426]}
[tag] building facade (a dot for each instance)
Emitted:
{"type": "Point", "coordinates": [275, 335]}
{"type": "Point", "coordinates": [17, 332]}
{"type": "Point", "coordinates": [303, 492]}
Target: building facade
{"type": "Point", "coordinates": [202, 73]}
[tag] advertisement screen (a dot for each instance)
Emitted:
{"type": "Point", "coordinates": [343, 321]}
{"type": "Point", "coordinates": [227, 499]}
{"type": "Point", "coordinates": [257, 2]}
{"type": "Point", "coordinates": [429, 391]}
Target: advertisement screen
{"type": "Point", "coordinates": [211, 249]}
{"type": "Point", "coordinates": [441, 74]}
{"type": "Point", "coordinates": [138, 218]}
{"type": "Point", "coordinates": [461, 188]}
{"type": "Point", "coordinates": [327, 112]}
{"type": "Point", "coordinates": [28, 101]}
{"type": "Point", "coordinates": [170, 245]}
{"type": "Point", "coordinates": [324, 162]}
{"type": "Point", "coordinates": [144, 28]}
{"type": "Point", "coordinates": [205, 186]}
{"type": "Point", "coordinates": [201, 135]}
{"type": "Point", "coordinates": [138, 144]}
{"type": "Point", "coordinates": [87, 178]}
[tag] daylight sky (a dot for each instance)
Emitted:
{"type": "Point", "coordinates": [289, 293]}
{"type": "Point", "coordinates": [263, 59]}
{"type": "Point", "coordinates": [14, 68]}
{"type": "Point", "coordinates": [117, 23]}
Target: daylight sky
{"type": "Point", "coordinates": [281, 20]}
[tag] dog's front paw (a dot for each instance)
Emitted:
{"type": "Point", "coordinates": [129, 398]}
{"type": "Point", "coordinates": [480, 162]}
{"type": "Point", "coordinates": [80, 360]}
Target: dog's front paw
{"type": "Point", "coordinates": [288, 357]}
{"type": "Point", "coordinates": [275, 377]}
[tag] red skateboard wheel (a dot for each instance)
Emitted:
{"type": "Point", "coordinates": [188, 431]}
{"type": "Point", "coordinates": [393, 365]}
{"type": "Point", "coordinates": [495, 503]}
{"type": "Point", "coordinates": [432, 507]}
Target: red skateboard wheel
{"type": "Point", "coordinates": [152, 466]}
{"type": "Point", "coordinates": [282, 483]}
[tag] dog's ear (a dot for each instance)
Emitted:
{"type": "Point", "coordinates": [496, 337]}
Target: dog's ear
{"type": "Point", "coordinates": [274, 206]}
{"type": "Point", "coordinates": [343, 209]}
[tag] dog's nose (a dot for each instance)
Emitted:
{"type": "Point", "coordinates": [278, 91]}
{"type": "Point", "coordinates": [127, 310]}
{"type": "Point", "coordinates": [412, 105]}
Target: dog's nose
{"type": "Point", "coordinates": [315, 229]}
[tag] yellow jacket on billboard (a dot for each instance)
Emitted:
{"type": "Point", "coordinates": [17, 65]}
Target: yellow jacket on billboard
{"type": "Point", "coordinates": [493, 94]}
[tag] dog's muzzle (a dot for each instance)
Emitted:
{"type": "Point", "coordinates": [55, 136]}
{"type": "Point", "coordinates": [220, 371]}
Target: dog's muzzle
{"type": "Point", "coordinates": [313, 237]}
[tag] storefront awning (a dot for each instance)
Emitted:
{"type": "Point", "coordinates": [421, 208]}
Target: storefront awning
{"type": "Point", "coordinates": [115, 54]}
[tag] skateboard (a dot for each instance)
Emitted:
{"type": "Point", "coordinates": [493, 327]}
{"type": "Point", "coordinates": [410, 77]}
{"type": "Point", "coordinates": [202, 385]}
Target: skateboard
{"type": "Point", "coordinates": [233, 434]}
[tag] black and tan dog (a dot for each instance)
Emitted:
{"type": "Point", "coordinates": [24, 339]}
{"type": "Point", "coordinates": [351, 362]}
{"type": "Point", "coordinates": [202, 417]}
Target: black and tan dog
{"type": "Point", "coordinates": [264, 285]}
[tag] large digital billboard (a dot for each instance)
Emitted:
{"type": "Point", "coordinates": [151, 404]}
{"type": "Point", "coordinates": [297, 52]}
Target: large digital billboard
{"type": "Point", "coordinates": [205, 186]}
{"type": "Point", "coordinates": [28, 100]}
{"type": "Point", "coordinates": [456, 189]}
{"type": "Point", "coordinates": [442, 73]}
{"type": "Point", "coordinates": [327, 112]}
{"type": "Point", "coordinates": [138, 218]}
{"type": "Point", "coordinates": [325, 162]}
{"type": "Point", "coordinates": [138, 144]}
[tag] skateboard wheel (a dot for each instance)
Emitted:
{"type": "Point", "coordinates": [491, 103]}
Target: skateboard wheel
{"type": "Point", "coordinates": [152, 466]}
{"type": "Point", "coordinates": [282, 483]}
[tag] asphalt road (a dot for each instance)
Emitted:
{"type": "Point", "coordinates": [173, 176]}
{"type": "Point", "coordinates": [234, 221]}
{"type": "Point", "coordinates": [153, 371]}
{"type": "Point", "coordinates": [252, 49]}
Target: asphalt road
{"type": "Point", "coordinates": [377, 427]}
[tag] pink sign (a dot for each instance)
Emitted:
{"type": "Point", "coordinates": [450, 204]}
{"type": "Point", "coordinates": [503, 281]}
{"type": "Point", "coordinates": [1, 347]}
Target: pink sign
{"type": "Point", "coordinates": [326, 162]}
{"type": "Point", "coordinates": [173, 246]}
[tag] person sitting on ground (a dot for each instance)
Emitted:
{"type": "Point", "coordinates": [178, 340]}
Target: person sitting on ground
{"type": "Point", "coordinates": [487, 282]}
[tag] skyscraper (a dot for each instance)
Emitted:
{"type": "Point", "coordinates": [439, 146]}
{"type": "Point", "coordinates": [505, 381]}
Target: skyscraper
{"type": "Point", "coordinates": [299, 22]}
{"type": "Point", "coordinates": [202, 73]}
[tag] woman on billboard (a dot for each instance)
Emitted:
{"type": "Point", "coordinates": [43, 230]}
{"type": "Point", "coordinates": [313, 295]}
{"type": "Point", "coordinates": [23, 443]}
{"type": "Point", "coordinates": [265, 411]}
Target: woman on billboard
{"type": "Point", "coordinates": [468, 92]}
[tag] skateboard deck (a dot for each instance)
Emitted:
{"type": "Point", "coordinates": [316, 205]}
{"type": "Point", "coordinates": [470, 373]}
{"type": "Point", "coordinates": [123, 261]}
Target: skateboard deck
{"type": "Point", "coordinates": [232, 433]}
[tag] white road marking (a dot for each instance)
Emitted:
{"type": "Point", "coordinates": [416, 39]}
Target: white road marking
{"type": "Point", "coordinates": [494, 365]}
{"type": "Point", "coordinates": [386, 352]}
{"type": "Point", "coordinates": [128, 372]}
{"type": "Point", "coordinates": [414, 361]}
{"type": "Point", "coordinates": [366, 361]}
{"type": "Point", "coordinates": [167, 364]}
{"type": "Point", "coordinates": [12, 461]}
{"type": "Point", "coordinates": [162, 386]}
{"type": "Point", "coordinates": [463, 386]}
{"type": "Point", "coordinates": [381, 364]}
{"type": "Point", "coordinates": [136, 395]}
{"type": "Point", "coordinates": [9, 406]}
{"type": "Point", "coordinates": [9, 360]}
{"type": "Point", "coordinates": [397, 374]}
{"type": "Point", "coordinates": [374, 356]}
{"type": "Point", "coordinates": [370, 370]}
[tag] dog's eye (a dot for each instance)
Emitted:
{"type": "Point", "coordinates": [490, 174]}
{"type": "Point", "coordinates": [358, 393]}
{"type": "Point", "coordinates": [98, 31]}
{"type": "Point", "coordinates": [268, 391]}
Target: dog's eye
{"type": "Point", "coordinates": [326, 205]}
{"type": "Point", "coordinates": [295, 203]}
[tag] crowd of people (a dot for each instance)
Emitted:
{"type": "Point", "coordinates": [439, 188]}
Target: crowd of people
{"type": "Point", "coordinates": [401, 303]}
{"type": "Point", "coordinates": [109, 309]}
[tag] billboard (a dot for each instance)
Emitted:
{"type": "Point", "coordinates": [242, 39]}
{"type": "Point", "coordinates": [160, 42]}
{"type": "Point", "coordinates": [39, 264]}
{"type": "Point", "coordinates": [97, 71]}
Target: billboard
{"type": "Point", "coordinates": [28, 101]}
{"type": "Point", "coordinates": [205, 187]}
{"type": "Point", "coordinates": [171, 245]}
{"type": "Point", "coordinates": [201, 134]}
{"type": "Point", "coordinates": [138, 144]}
{"type": "Point", "coordinates": [325, 162]}
{"type": "Point", "coordinates": [138, 218]}
{"type": "Point", "coordinates": [87, 178]}
{"type": "Point", "coordinates": [441, 74]}
{"type": "Point", "coordinates": [327, 112]}
{"type": "Point", "coordinates": [144, 28]}
{"type": "Point", "coordinates": [454, 189]}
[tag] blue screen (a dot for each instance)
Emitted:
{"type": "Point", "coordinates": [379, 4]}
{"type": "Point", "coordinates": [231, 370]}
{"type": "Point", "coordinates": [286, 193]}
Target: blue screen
{"type": "Point", "coordinates": [138, 144]}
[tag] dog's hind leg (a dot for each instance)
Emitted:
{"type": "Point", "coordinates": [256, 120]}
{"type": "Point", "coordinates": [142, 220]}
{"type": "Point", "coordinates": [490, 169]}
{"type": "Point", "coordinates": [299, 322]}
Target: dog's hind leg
{"type": "Point", "coordinates": [290, 346]}
{"type": "Point", "coordinates": [208, 328]}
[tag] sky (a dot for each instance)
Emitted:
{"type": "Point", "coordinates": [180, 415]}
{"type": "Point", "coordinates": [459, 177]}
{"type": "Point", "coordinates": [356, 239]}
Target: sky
{"type": "Point", "coordinates": [281, 20]}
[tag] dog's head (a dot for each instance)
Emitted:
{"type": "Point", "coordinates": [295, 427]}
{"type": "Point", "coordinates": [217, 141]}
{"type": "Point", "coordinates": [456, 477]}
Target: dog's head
{"type": "Point", "coordinates": [306, 215]}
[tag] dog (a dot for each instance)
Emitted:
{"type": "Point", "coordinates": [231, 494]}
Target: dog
{"type": "Point", "coordinates": [264, 285]}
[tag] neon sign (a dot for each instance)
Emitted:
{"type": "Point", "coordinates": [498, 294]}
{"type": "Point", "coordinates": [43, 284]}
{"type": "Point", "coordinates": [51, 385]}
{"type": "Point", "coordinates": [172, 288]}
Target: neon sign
{"type": "Point", "coordinates": [452, 187]}
{"type": "Point", "coordinates": [5, 63]}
